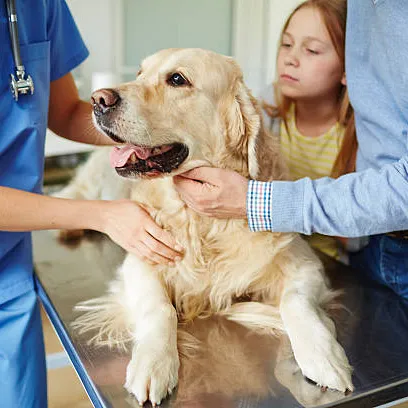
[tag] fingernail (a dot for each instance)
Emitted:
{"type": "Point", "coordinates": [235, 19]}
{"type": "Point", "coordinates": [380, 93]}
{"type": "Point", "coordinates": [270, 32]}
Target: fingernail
{"type": "Point", "coordinates": [177, 259]}
{"type": "Point", "coordinates": [171, 264]}
{"type": "Point", "coordinates": [178, 248]}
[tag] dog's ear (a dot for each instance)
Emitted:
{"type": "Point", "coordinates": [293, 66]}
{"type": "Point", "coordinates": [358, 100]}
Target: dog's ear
{"type": "Point", "coordinates": [243, 123]}
{"type": "Point", "coordinates": [248, 138]}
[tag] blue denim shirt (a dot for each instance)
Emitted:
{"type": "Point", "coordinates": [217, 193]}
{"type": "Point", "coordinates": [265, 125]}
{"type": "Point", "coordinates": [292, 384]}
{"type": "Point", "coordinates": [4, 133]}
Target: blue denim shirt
{"type": "Point", "coordinates": [374, 200]}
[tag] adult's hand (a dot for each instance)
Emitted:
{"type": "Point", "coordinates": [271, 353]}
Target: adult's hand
{"type": "Point", "coordinates": [213, 192]}
{"type": "Point", "coordinates": [133, 229]}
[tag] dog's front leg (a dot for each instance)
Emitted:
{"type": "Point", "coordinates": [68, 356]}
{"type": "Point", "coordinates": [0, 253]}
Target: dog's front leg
{"type": "Point", "coordinates": [153, 370]}
{"type": "Point", "coordinates": [311, 332]}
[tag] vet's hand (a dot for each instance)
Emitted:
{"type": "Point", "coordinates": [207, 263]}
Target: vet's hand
{"type": "Point", "coordinates": [133, 229]}
{"type": "Point", "coordinates": [213, 192]}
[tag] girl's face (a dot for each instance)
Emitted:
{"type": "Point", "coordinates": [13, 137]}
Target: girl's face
{"type": "Point", "coordinates": [308, 65]}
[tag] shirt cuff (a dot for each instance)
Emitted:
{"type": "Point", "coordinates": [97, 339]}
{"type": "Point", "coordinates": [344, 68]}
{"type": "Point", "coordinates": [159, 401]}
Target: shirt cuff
{"type": "Point", "coordinates": [259, 205]}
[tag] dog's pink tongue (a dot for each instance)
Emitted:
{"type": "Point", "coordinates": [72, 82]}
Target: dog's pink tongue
{"type": "Point", "coordinates": [120, 155]}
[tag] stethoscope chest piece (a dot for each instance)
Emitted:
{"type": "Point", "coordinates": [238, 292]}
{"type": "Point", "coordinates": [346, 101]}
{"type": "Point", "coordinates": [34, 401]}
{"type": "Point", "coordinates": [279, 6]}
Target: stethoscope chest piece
{"type": "Point", "coordinates": [21, 85]}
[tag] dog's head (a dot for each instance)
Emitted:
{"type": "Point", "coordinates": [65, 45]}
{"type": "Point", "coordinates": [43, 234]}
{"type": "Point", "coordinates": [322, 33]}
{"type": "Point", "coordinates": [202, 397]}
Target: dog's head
{"type": "Point", "coordinates": [186, 108]}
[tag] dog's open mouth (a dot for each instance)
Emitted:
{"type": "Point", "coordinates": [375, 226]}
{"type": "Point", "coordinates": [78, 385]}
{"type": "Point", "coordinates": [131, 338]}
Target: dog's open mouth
{"type": "Point", "coordinates": [134, 160]}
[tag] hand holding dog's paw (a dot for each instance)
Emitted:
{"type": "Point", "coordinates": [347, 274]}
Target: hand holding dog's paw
{"type": "Point", "coordinates": [152, 372]}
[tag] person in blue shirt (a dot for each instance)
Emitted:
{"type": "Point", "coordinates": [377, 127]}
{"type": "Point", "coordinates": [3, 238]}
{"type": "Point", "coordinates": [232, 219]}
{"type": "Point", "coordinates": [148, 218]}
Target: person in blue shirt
{"type": "Point", "coordinates": [51, 47]}
{"type": "Point", "coordinates": [372, 202]}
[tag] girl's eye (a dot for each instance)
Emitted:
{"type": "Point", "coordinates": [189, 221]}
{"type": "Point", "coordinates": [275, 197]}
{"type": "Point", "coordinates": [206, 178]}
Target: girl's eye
{"type": "Point", "coordinates": [314, 52]}
{"type": "Point", "coordinates": [286, 45]}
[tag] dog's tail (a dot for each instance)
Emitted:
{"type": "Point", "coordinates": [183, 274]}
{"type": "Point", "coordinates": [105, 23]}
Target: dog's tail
{"type": "Point", "coordinates": [103, 322]}
{"type": "Point", "coordinates": [256, 316]}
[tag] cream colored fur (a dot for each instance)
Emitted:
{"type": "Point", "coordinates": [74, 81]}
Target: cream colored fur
{"type": "Point", "coordinates": [267, 281]}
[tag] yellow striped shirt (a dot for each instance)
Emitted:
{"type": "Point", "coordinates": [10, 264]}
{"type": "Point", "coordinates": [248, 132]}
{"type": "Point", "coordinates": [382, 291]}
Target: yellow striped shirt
{"type": "Point", "coordinates": [312, 157]}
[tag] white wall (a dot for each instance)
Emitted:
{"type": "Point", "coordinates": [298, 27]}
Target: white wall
{"type": "Point", "coordinates": [249, 40]}
{"type": "Point", "coordinates": [157, 24]}
{"type": "Point", "coordinates": [98, 21]}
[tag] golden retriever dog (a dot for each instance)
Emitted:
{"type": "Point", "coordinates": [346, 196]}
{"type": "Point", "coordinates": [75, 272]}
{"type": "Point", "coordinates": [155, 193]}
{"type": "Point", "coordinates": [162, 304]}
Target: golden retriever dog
{"type": "Point", "coordinates": [190, 108]}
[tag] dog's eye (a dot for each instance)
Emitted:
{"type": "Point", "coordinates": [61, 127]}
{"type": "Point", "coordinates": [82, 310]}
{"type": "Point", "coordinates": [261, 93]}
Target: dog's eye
{"type": "Point", "coordinates": [177, 79]}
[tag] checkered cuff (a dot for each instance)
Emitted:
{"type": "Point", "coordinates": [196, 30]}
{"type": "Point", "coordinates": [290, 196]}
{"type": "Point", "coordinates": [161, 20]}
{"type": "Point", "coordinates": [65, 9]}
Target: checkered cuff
{"type": "Point", "coordinates": [259, 205]}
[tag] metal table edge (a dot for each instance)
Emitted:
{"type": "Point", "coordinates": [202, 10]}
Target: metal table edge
{"type": "Point", "coordinates": [386, 394]}
{"type": "Point", "coordinates": [90, 388]}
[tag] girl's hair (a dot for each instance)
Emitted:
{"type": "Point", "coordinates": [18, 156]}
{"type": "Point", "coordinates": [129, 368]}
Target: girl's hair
{"type": "Point", "coordinates": [334, 13]}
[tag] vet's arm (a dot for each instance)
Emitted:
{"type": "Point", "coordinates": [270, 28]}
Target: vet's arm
{"type": "Point", "coordinates": [69, 116]}
{"type": "Point", "coordinates": [123, 220]}
{"type": "Point", "coordinates": [357, 204]}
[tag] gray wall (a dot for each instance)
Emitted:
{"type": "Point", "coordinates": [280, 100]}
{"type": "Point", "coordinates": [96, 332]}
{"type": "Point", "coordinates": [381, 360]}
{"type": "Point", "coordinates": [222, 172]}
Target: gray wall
{"type": "Point", "coordinates": [156, 24]}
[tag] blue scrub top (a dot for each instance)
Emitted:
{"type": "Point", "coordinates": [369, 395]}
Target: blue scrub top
{"type": "Point", "coordinates": [51, 47]}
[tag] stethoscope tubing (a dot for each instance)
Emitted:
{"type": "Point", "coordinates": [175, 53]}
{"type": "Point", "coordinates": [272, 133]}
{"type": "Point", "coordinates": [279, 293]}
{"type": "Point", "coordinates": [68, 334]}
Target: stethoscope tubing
{"type": "Point", "coordinates": [19, 84]}
{"type": "Point", "coordinates": [15, 44]}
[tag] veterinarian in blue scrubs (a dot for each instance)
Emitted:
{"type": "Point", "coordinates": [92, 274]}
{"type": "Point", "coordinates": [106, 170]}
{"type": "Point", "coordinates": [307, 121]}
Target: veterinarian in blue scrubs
{"type": "Point", "coordinates": [51, 47]}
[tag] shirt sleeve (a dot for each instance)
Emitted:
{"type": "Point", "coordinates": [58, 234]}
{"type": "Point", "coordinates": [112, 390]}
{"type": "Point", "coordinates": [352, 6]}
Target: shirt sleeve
{"type": "Point", "coordinates": [67, 49]}
{"type": "Point", "coordinates": [259, 205]}
{"type": "Point", "coordinates": [356, 204]}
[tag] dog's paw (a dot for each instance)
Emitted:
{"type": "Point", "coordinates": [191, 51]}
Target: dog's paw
{"type": "Point", "coordinates": [152, 372]}
{"type": "Point", "coordinates": [288, 373]}
{"type": "Point", "coordinates": [326, 364]}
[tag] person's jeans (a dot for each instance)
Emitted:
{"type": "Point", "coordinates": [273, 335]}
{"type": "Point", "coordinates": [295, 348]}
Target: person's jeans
{"type": "Point", "coordinates": [385, 261]}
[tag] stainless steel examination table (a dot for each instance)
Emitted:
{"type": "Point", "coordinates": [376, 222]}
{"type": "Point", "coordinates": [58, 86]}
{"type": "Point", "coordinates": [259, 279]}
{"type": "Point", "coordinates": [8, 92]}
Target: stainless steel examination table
{"type": "Point", "coordinates": [232, 367]}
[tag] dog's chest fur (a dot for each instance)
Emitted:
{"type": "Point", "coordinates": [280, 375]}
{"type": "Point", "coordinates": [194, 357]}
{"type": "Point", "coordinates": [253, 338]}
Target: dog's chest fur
{"type": "Point", "coordinates": [223, 260]}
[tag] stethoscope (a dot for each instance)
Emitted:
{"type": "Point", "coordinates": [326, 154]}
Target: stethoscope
{"type": "Point", "coordinates": [21, 85]}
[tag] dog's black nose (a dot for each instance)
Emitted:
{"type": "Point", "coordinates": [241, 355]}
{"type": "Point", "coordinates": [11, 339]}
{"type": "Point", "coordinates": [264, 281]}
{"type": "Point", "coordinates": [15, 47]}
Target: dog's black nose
{"type": "Point", "coordinates": [104, 100]}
